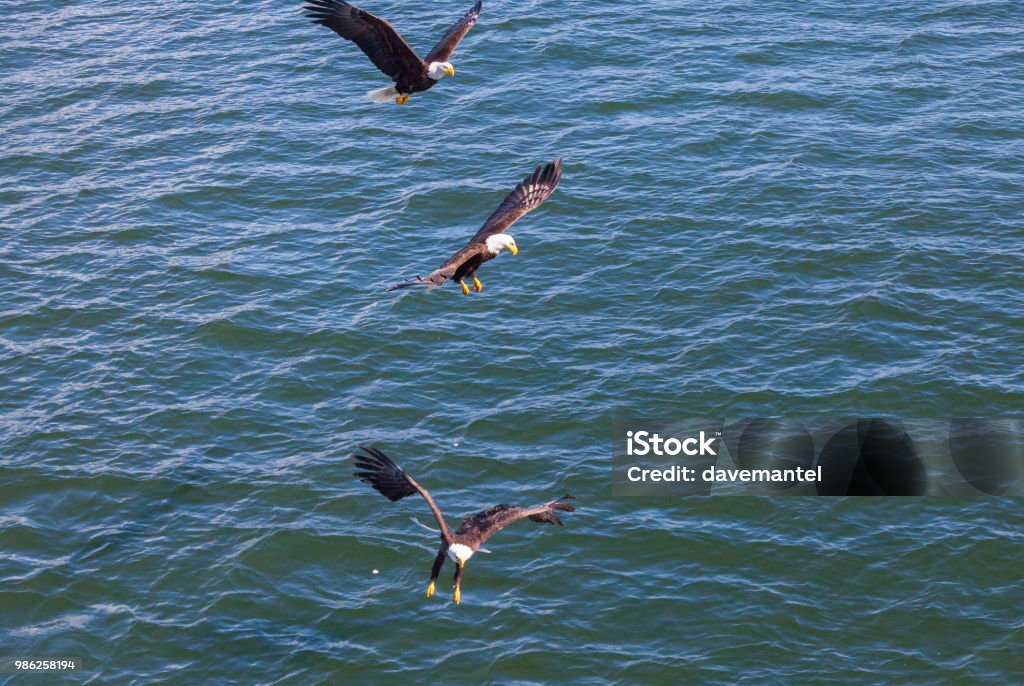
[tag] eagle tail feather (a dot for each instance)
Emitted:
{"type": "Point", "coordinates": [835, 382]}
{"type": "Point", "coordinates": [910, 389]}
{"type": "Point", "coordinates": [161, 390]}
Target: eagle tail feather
{"type": "Point", "coordinates": [424, 526]}
{"type": "Point", "coordinates": [382, 95]}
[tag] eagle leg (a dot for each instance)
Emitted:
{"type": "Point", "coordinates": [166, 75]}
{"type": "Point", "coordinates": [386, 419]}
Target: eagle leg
{"type": "Point", "coordinates": [465, 288]}
{"type": "Point", "coordinates": [457, 596]}
{"type": "Point", "coordinates": [477, 286]}
{"type": "Point", "coordinates": [436, 571]}
{"type": "Point", "coordinates": [402, 98]}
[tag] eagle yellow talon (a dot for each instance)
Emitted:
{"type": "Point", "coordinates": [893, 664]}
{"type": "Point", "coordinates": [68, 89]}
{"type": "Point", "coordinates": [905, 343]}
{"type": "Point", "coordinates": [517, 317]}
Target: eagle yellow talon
{"type": "Point", "coordinates": [477, 286]}
{"type": "Point", "coordinates": [402, 99]}
{"type": "Point", "coordinates": [457, 596]}
{"type": "Point", "coordinates": [465, 288]}
{"type": "Point", "coordinates": [430, 589]}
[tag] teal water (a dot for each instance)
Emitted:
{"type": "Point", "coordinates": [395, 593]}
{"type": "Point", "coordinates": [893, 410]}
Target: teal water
{"type": "Point", "coordinates": [767, 209]}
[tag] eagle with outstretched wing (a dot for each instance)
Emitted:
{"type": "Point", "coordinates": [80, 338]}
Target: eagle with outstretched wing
{"type": "Point", "coordinates": [377, 469]}
{"type": "Point", "coordinates": [491, 239]}
{"type": "Point", "coordinates": [388, 50]}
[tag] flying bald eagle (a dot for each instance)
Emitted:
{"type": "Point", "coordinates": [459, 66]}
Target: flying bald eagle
{"type": "Point", "coordinates": [388, 50]}
{"type": "Point", "coordinates": [376, 469]}
{"type": "Point", "coordinates": [491, 239]}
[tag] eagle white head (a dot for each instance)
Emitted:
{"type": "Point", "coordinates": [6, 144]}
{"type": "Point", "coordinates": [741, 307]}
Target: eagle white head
{"type": "Point", "coordinates": [459, 553]}
{"type": "Point", "coordinates": [439, 70]}
{"type": "Point", "coordinates": [500, 241]}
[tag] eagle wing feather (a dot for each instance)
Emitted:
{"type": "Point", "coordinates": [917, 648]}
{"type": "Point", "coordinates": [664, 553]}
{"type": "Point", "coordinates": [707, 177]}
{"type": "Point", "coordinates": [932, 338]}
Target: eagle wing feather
{"type": "Point", "coordinates": [481, 526]}
{"type": "Point", "coordinates": [374, 36]}
{"type": "Point", "coordinates": [525, 197]}
{"type": "Point", "coordinates": [456, 32]}
{"type": "Point", "coordinates": [377, 469]}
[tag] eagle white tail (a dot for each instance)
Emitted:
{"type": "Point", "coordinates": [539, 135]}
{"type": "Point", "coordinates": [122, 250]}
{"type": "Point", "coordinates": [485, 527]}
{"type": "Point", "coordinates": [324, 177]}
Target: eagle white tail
{"type": "Point", "coordinates": [383, 94]}
{"type": "Point", "coordinates": [424, 526]}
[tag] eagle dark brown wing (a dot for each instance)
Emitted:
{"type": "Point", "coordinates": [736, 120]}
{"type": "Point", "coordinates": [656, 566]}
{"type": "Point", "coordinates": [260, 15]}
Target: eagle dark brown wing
{"type": "Point", "coordinates": [446, 46]}
{"type": "Point", "coordinates": [379, 471]}
{"type": "Point", "coordinates": [481, 526]}
{"type": "Point", "coordinates": [527, 196]}
{"type": "Point", "coordinates": [374, 36]}
{"type": "Point", "coordinates": [463, 255]}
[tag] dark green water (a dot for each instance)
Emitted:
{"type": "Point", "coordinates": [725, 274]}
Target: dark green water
{"type": "Point", "coordinates": [767, 209]}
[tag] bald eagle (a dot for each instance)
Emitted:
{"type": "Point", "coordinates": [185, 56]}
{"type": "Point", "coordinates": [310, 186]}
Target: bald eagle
{"type": "Point", "coordinates": [376, 469]}
{"type": "Point", "coordinates": [491, 239]}
{"type": "Point", "coordinates": [388, 50]}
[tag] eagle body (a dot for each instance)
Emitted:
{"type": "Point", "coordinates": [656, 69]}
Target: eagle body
{"type": "Point", "coordinates": [377, 469]}
{"type": "Point", "coordinates": [388, 50]}
{"type": "Point", "coordinates": [467, 261]}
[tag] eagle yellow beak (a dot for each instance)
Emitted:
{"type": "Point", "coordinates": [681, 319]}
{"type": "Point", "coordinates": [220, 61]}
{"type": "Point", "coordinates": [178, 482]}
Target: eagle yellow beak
{"type": "Point", "coordinates": [513, 249]}
{"type": "Point", "coordinates": [450, 71]}
{"type": "Point", "coordinates": [462, 563]}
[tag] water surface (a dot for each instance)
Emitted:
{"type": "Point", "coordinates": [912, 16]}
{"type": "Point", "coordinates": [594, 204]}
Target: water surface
{"type": "Point", "coordinates": [767, 209]}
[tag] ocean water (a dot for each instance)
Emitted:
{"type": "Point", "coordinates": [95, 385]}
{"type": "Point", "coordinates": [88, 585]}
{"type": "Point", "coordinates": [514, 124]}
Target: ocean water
{"type": "Point", "coordinates": [767, 209]}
